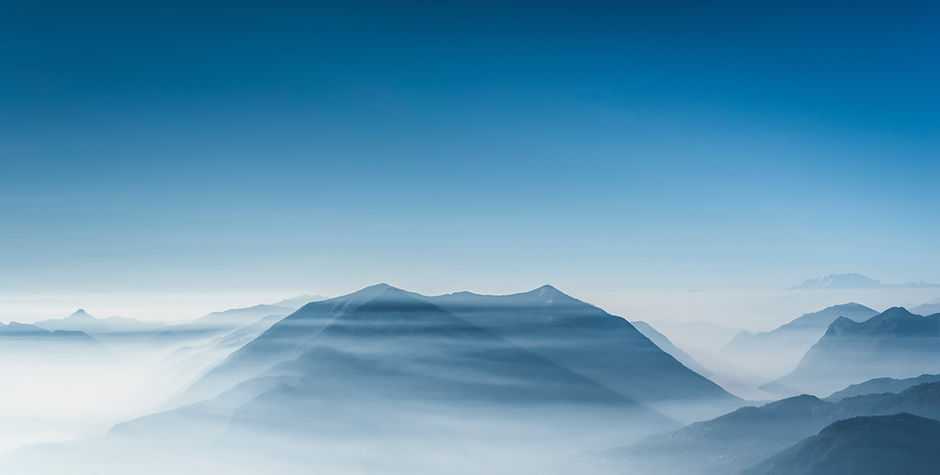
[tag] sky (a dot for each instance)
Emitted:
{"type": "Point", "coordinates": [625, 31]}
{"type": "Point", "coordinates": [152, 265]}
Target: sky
{"type": "Point", "coordinates": [258, 150]}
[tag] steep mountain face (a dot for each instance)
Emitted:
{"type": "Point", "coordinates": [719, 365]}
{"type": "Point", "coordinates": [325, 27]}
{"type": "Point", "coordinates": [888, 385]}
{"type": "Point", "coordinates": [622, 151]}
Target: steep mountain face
{"type": "Point", "coordinates": [895, 343]}
{"type": "Point", "coordinates": [881, 386]}
{"type": "Point", "coordinates": [746, 436]}
{"type": "Point", "coordinates": [545, 322]}
{"type": "Point", "coordinates": [666, 345]}
{"type": "Point", "coordinates": [779, 350]}
{"type": "Point", "coordinates": [900, 443]}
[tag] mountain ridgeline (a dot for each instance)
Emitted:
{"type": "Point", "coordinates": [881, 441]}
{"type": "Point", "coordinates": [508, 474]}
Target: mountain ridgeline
{"type": "Point", "coordinates": [895, 343]}
{"type": "Point", "coordinates": [779, 350]}
{"type": "Point", "coordinates": [584, 346]}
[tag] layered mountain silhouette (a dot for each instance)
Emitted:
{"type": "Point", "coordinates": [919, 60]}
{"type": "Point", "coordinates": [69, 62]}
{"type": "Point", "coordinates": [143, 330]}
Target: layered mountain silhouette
{"type": "Point", "coordinates": [24, 334]}
{"type": "Point", "coordinates": [666, 345]}
{"type": "Point", "coordinates": [383, 360]}
{"type": "Point", "coordinates": [928, 308]}
{"type": "Point", "coordinates": [895, 343]}
{"type": "Point", "coordinates": [882, 385]}
{"type": "Point", "coordinates": [742, 438]}
{"type": "Point", "coordinates": [876, 445]}
{"type": "Point", "coordinates": [779, 350]}
{"type": "Point", "coordinates": [586, 348]}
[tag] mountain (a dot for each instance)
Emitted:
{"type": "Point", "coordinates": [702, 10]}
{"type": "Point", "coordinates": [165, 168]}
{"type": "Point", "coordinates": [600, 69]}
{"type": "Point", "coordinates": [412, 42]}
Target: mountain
{"type": "Point", "coordinates": [779, 350]}
{"type": "Point", "coordinates": [695, 334]}
{"type": "Point", "coordinates": [80, 320]}
{"type": "Point", "coordinates": [239, 317]}
{"type": "Point", "coordinates": [853, 281]}
{"type": "Point", "coordinates": [389, 361]}
{"type": "Point", "coordinates": [900, 443]}
{"type": "Point", "coordinates": [746, 436]}
{"type": "Point", "coordinates": [894, 343]}
{"type": "Point", "coordinates": [928, 308]}
{"type": "Point", "coordinates": [882, 385]}
{"type": "Point", "coordinates": [664, 344]}
{"type": "Point", "coordinates": [298, 301]}
{"type": "Point", "coordinates": [15, 336]}
{"type": "Point", "coordinates": [546, 322]}
{"type": "Point", "coordinates": [839, 281]}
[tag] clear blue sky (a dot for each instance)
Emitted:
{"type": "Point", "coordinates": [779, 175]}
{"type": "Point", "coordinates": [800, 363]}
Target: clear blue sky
{"type": "Point", "coordinates": [478, 145]}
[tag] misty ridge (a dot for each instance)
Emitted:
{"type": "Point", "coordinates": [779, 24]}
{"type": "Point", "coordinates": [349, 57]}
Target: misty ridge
{"type": "Point", "coordinates": [391, 381]}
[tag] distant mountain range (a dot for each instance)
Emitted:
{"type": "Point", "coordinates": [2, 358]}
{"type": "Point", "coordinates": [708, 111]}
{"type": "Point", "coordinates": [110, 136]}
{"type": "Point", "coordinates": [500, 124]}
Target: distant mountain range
{"type": "Point", "coordinates": [742, 438]}
{"type": "Point", "coordinates": [120, 330]}
{"type": "Point", "coordinates": [881, 386]}
{"type": "Point", "coordinates": [26, 334]}
{"type": "Point", "coordinates": [853, 281]}
{"type": "Point", "coordinates": [779, 350]}
{"type": "Point", "coordinates": [873, 445]}
{"type": "Point", "coordinates": [894, 343]}
{"type": "Point", "coordinates": [80, 320]}
{"type": "Point", "coordinates": [928, 308]}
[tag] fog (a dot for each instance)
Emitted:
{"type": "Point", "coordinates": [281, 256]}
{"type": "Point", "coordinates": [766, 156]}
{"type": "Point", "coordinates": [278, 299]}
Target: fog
{"type": "Point", "coordinates": [384, 380]}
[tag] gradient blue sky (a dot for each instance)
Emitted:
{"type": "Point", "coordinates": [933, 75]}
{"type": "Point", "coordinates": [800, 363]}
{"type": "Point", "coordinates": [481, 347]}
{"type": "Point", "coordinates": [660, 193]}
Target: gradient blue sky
{"type": "Point", "coordinates": [480, 145]}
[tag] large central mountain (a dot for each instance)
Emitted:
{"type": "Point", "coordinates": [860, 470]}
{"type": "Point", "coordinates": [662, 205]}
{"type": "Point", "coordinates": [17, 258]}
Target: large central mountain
{"type": "Point", "coordinates": [895, 343]}
{"type": "Point", "coordinates": [541, 343]}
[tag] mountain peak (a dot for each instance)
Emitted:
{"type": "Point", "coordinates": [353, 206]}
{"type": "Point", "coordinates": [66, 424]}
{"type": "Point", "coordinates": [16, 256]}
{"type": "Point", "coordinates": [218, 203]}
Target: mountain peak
{"type": "Point", "coordinates": [549, 293]}
{"type": "Point", "coordinates": [896, 312]}
{"type": "Point", "coordinates": [80, 313]}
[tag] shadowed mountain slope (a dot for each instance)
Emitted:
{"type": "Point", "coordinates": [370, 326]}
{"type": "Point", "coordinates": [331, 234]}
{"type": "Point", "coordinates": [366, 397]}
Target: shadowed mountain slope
{"type": "Point", "coordinates": [666, 345]}
{"type": "Point", "coordinates": [574, 335]}
{"type": "Point", "coordinates": [744, 437]}
{"type": "Point", "coordinates": [875, 445]}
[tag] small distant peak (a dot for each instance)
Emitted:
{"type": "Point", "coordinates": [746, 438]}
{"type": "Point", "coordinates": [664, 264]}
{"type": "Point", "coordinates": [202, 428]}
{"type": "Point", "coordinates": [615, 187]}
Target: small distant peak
{"type": "Point", "coordinates": [549, 293]}
{"type": "Point", "coordinates": [80, 313]}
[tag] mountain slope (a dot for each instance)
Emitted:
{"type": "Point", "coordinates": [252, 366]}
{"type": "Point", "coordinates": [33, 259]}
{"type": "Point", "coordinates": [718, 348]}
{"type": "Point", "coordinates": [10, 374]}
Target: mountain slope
{"type": "Point", "coordinates": [895, 343]}
{"type": "Point", "coordinates": [876, 445]}
{"type": "Point", "coordinates": [386, 360]}
{"type": "Point", "coordinates": [664, 344]}
{"type": "Point", "coordinates": [881, 386]}
{"type": "Point", "coordinates": [748, 435]}
{"type": "Point", "coordinates": [545, 322]}
{"type": "Point", "coordinates": [603, 347]}
{"type": "Point", "coordinates": [779, 350]}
